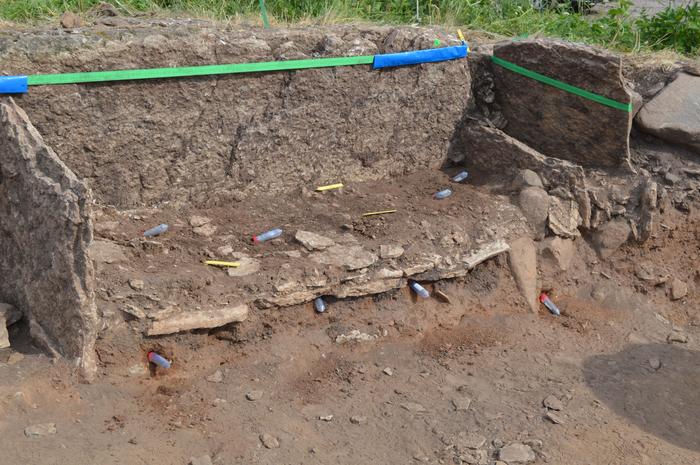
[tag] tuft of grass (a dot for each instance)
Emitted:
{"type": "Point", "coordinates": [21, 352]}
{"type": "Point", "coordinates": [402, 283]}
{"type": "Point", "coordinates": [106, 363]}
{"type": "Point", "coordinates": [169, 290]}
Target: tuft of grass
{"type": "Point", "coordinates": [675, 28]}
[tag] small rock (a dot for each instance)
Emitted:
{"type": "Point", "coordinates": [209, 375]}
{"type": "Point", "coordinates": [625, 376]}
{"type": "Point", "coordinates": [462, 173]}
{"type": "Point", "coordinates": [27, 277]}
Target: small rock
{"type": "Point", "coordinates": [554, 418]}
{"type": "Point", "coordinates": [470, 440]}
{"type": "Point", "coordinates": [563, 217]}
{"type": "Point", "coordinates": [269, 441]}
{"type": "Point", "coordinates": [10, 313]}
{"type": "Point", "coordinates": [136, 284]}
{"type": "Point", "coordinates": [358, 420]}
{"type": "Point", "coordinates": [461, 404]}
{"type": "Point", "coordinates": [557, 253]}
{"type": "Point", "coordinates": [107, 252]}
{"type": "Point", "coordinates": [224, 250]}
{"type": "Point", "coordinates": [254, 395]}
{"type": "Point", "coordinates": [313, 241]}
{"type": "Point", "coordinates": [70, 20]}
{"type": "Point", "coordinates": [198, 221]}
{"type": "Point", "coordinates": [553, 403]}
{"type": "Point", "coordinates": [523, 264]}
{"type": "Point", "coordinates": [534, 443]}
{"type": "Point", "coordinates": [246, 267]}
{"type": "Point", "coordinates": [390, 251]}
{"type": "Point", "coordinates": [388, 371]}
{"type": "Point", "coordinates": [516, 453]}
{"type": "Point", "coordinates": [42, 429]}
{"type": "Point", "coordinates": [413, 407]}
{"type": "Point", "coordinates": [534, 203]}
{"type": "Point", "coordinates": [672, 178]}
{"type": "Point", "coordinates": [526, 178]}
{"type": "Point", "coordinates": [351, 258]}
{"type": "Point", "coordinates": [677, 336]}
{"type": "Point", "coordinates": [326, 418]}
{"type": "Point", "coordinates": [4, 335]}
{"type": "Point", "coordinates": [654, 363]}
{"type": "Point", "coordinates": [611, 236]}
{"type": "Point", "coordinates": [138, 369]}
{"type": "Point", "coordinates": [679, 289]}
{"type": "Point", "coordinates": [215, 377]}
{"type": "Point", "coordinates": [207, 230]}
{"type": "Point", "coordinates": [203, 460]}
{"type": "Point", "coordinates": [354, 335]}
{"type": "Point", "coordinates": [442, 296]}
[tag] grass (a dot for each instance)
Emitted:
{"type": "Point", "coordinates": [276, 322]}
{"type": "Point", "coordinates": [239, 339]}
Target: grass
{"type": "Point", "coordinates": [676, 29]}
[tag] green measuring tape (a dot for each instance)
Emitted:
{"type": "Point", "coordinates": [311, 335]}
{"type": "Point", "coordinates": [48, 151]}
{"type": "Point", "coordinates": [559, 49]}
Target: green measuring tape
{"type": "Point", "coordinates": [562, 85]}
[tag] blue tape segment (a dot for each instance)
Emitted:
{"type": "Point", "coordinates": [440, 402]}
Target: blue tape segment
{"type": "Point", "coordinates": [420, 56]}
{"type": "Point", "coordinates": [13, 84]}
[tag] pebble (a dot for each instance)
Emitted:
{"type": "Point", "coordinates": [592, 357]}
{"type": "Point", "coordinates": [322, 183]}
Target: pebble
{"type": "Point", "coordinates": [326, 418]}
{"type": "Point", "coordinates": [358, 420]}
{"type": "Point", "coordinates": [413, 407]}
{"type": "Point", "coordinates": [39, 430]}
{"type": "Point", "coordinates": [254, 395]}
{"type": "Point", "coordinates": [677, 336]}
{"type": "Point", "coordinates": [216, 377]}
{"type": "Point", "coordinates": [654, 363]}
{"type": "Point", "coordinates": [552, 403]}
{"type": "Point", "coordinates": [554, 418]}
{"type": "Point", "coordinates": [471, 440]}
{"type": "Point", "coordinates": [203, 460]}
{"type": "Point", "coordinates": [269, 441]}
{"type": "Point", "coordinates": [516, 453]}
{"type": "Point", "coordinates": [679, 289]}
{"type": "Point", "coordinates": [442, 296]}
{"type": "Point", "coordinates": [136, 284]}
{"type": "Point", "coordinates": [461, 404]}
{"type": "Point", "coordinates": [388, 371]}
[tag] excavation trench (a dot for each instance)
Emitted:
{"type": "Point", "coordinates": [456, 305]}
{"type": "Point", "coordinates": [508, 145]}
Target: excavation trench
{"type": "Point", "coordinates": [86, 169]}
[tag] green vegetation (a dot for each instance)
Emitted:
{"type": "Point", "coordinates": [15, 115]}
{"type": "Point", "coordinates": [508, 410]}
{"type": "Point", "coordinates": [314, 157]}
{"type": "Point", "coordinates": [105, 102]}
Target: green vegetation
{"type": "Point", "coordinates": [675, 28]}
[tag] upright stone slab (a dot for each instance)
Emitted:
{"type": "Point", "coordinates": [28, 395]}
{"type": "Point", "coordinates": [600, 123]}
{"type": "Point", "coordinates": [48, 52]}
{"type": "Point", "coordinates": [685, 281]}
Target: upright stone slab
{"type": "Point", "coordinates": [45, 230]}
{"type": "Point", "coordinates": [558, 123]}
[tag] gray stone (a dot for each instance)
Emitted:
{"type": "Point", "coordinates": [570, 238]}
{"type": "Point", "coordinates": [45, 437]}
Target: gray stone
{"type": "Point", "coordinates": [679, 289]}
{"type": "Point", "coordinates": [203, 460]}
{"type": "Point", "coordinates": [555, 122]}
{"type": "Point", "coordinates": [206, 230]}
{"type": "Point", "coordinates": [534, 203]}
{"type": "Point", "coordinates": [556, 253]}
{"type": "Point", "coordinates": [326, 417]}
{"type": "Point", "coordinates": [611, 236]}
{"type": "Point", "coordinates": [353, 257]}
{"type": "Point", "coordinates": [211, 318]}
{"type": "Point", "coordinates": [198, 221]}
{"type": "Point", "coordinates": [564, 218]}
{"type": "Point", "coordinates": [677, 336]}
{"type": "Point", "coordinates": [42, 429]}
{"type": "Point", "coordinates": [674, 114]}
{"type": "Point", "coordinates": [554, 418]}
{"type": "Point", "coordinates": [388, 371]}
{"type": "Point", "coordinates": [137, 284]}
{"type": "Point", "coordinates": [470, 440]}
{"type": "Point", "coordinates": [461, 404]}
{"type": "Point", "coordinates": [413, 407]}
{"type": "Point", "coordinates": [44, 261]}
{"type": "Point", "coordinates": [516, 453]}
{"type": "Point", "coordinates": [523, 264]}
{"type": "Point", "coordinates": [254, 395]}
{"type": "Point", "coordinates": [107, 252]}
{"type": "Point", "coordinates": [269, 441]}
{"type": "Point", "coordinates": [390, 251]}
{"type": "Point", "coordinates": [10, 313]}
{"type": "Point", "coordinates": [654, 363]}
{"type": "Point", "coordinates": [672, 178]}
{"type": "Point", "coordinates": [216, 377]}
{"type": "Point", "coordinates": [224, 250]}
{"type": "Point", "coordinates": [313, 241]}
{"type": "Point", "coordinates": [552, 403]}
{"type": "Point", "coordinates": [358, 420]}
{"type": "Point", "coordinates": [247, 267]}
{"type": "Point", "coordinates": [526, 178]}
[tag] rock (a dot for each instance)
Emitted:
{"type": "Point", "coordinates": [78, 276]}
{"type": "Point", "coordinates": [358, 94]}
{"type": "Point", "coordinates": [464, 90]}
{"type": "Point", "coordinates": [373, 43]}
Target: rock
{"type": "Point", "coordinates": [470, 440]}
{"type": "Point", "coordinates": [133, 311]}
{"type": "Point", "coordinates": [390, 251]}
{"type": "Point", "coordinates": [42, 429]}
{"type": "Point", "coordinates": [679, 289]}
{"type": "Point", "coordinates": [269, 441]}
{"type": "Point", "coordinates": [326, 418]}
{"type": "Point", "coordinates": [554, 418]}
{"type": "Point", "coordinates": [216, 377]}
{"type": "Point", "coordinates": [70, 20]}
{"type": "Point", "coordinates": [313, 241]}
{"type": "Point", "coordinates": [138, 369]}
{"type": "Point", "coordinates": [474, 457]}
{"type": "Point", "coordinates": [674, 114]}
{"type": "Point", "coordinates": [611, 236]}
{"type": "Point", "coordinates": [107, 252]}
{"type": "Point", "coordinates": [198, 221]}
{"type": "Point", "coordinates": [207, 230]}
{"type": "Point", "coordinates": [564, 218]}
{"type": "Point", "coordinates": [677, 336]}
{"type": "Point", "coordinates": [358, 420]}
{"type": "Point", "coordinates": [442, 296]}
{"type": "Point", "coordinates": [556, 253]}
{"type": "Point", "coordinates": [461, 404]}
{"type": "Point", "coordinates": [552, 403]}
{"type": "Point", "coordinates": [523, 264]}
{"type": "Point", "coordinates": [557, 123]}
{"type": "Point", "coordinates": [48, 271]}
{"type": "Point", "coordinates": [203, 460]}
{"type": "Point", "coordinates": [388, 371]}
{"type": "Point", "coordinates": [353, 257]}
{"type": "Point", "coordinates": [354, 335]}
{"type": "Point", "coordinates": [14, 358]}
{"type": "Point", "coordinates": [104, 9]}
{"type": "Point", "coordinates": [526, 178]}
{"type": "Point", "coordinates": [224, 250]}
{"type": "Point", "coordinates": [10, 313]}
{"type": "Point", "coordinates": [4, 335]}
{"type": "Point", "coordinates": [413, 407]}
{"type": "Point", "coordinates": [185, 321]}
{"type": "Point", "coordinates": [671, 178]}
{"type": "Point", "coordinates": [254, 395]}
{"type": "Point", "coordinates": [516, 453]}
{"type": "Point", "coordinates": [654, 363]}
{"type": "Point", "coordinates": [247, 267]}
{"type": "Point", "coordinates": [136, 284]}
{"type": "Point", "coordinates": [475, 257]}
{"type": "Point", "coordinates": [534, 203]}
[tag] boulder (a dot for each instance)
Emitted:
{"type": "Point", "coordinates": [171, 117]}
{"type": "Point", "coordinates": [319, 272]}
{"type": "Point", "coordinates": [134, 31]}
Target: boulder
{"type": "Point", "coordinates": [611, 236]}
{"type": "Point", "coordinates": [674, 114]}
{"type": "Point", "coordinates": [563, 217]}
{"type": "Point", "coordinates": [534, 203]}
{"type": "Point", "coordinates": [556, 253]}
{"type": "Point", "coordinates": [523, 264]}
{"type": "Point", "coordinates": [526, 178]}
{"type": "Point", "coordinates": [558, 123]}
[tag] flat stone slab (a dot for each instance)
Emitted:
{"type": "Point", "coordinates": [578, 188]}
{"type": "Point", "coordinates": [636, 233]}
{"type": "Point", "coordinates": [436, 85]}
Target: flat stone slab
{"type": "Point", "coordinates": [558, 123]}
{"type": "Point", "coordinates": [674, 114]}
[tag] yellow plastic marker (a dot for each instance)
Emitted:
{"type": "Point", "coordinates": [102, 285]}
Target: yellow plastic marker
{"type": "Point", "coordinates": [460, 35]}
{"type": "Point", "coordinates": [329, 187]}
{"type": "Point", "coordinates": [222, 264]}
{"type": "Point", "coordinates": [378, 213]}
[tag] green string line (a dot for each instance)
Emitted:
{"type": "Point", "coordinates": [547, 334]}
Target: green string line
{"type": "Point", "coordinates": [159, 73]}
{"type": "Point", "coordinates": [263, 13]}
{"type": "Point", "coordinates": [562, 85]}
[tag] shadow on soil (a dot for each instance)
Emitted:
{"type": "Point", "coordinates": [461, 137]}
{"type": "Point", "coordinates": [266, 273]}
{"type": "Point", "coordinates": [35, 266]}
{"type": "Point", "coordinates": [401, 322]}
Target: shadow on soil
{"type": "Point", "coordinates": [664, 401]}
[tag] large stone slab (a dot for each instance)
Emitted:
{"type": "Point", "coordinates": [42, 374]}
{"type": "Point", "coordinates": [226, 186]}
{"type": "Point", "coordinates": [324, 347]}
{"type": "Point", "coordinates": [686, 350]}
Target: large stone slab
{"type": "Point", "coordinates": [555, 122]}
{"type": "Point", "coordinates": [674, 114]}
{"type": "Point", "coordinates": [45, 230]}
